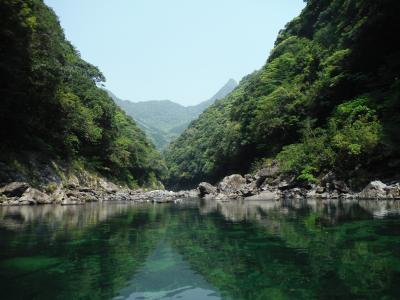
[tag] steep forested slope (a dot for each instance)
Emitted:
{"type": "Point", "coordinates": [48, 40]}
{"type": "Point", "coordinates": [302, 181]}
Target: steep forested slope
{"type": "Point", "coordinates": [51, 103]}
{"type": "Point", "coordinates": [327, 99]}
{"type": "Point", "coordinates": [164, 120]}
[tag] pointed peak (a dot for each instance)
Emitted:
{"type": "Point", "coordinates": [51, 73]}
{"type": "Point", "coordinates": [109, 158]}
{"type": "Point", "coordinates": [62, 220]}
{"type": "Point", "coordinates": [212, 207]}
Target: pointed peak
{"type": "Point", "coordinates": [232, 81]}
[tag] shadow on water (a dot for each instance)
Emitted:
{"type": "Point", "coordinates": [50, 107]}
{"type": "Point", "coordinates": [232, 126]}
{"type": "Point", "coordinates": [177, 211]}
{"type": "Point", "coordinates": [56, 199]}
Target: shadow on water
{"type": "Point", "coordinates": [202, 250]}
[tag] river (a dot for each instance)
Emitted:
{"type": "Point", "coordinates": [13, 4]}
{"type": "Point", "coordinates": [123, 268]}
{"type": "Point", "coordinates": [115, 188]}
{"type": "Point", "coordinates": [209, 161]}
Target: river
{"type": "Point", "coordinates": [202, 250]}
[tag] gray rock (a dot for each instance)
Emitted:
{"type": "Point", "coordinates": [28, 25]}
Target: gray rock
{"type": "Point", "coordinates": [323, 195]}
{"type": "Point", "coordinates": [73, 182]}
{"type": "Point", "coordinates": [340, 186]}
{"type": "Point", "coordinates": [58, 195]}
{"type": "Point", "coordinates": [72, 201]}
{"type": "Point", "coordinates": [284, 185]}
{"type": "Point", "coordinates": [374, 190]}
{"type": "Point", "coordinates": [334, 195]}
{"type": "Point", "coordinates": [205, 188]}
{"type": "Point", "coordinates": [393, 191]}
{"type": "Point", "coordinates": [108, 186]}
{"type": "Point", "coordinates": [312, 194]}
{"type": "Point", "coordinates": [295, 193]}
{"type": "Point", "coordinates": [34, 196]}
{"type": "Point", "coordinates": [265, 196]}
{"type": "Point", "coordinates": [269, 172]}
{"type": "Point", "coordinates": [231, 184]}
{"type": "Point", "coordinates": [249, 178]}
{"type": "Point", "coordinates": [249, 189]}
{"type": "Point", "coordinates": [14, 189]}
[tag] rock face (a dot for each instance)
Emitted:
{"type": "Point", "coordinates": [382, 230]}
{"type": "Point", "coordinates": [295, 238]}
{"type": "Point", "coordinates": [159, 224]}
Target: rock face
{"type": "Point", "coordinates": [205, 188]}
{"type": "Point", "coordinates": [265, 195]}
{"type": "Point", "coordinates": [393, 191]}
{"type": "Point", "coordinates": [14, 189]}
{"type": "Point", "coordinates": [379, 190]}
{"type": "Point", "coordinates": [231, 184]}
{"type": "Point", "coordinates": [258, 187]}
{"type": "Point", "coordinates": [375, 189]}
{"type": "Point", "coordinates": [20, 193]}
{"type": "Point", "coordinates": [34, 196]}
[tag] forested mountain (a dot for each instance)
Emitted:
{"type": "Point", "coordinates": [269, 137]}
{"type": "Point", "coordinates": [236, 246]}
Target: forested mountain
{"type": "Point", "coordinates": [51, 103]}
{"type": "Point", "coordinates": [327, 99]}
{"type": "Point", "coordinates": [164, 120]}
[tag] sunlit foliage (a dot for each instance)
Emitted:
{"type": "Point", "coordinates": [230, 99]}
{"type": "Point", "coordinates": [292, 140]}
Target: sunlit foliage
{"type": "Point", "coordinates": [327, 99]}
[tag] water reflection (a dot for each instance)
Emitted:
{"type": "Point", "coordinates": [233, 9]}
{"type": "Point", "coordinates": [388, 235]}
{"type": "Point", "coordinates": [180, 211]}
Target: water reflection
{"type": "Point", "coordinates": [202, 250]}
{"type": "Point", "coordinates": [57, 216]}
{"type": "Point", "coordinates": [332, 211]}
{"type": "Point", "coordinates": [166, 275]}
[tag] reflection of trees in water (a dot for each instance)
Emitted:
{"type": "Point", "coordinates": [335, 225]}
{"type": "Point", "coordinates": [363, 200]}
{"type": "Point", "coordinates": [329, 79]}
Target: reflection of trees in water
{"type": "Point", "coordinates": [294, 249]}
{"type": "Point", "coordinates": [332, 211]}
{"type": "Point", "coordinates": [17, 217]}
{"type": "Point", "coordinates": [261, 250]}
{"type": "Point", "coordinates": [93, 250]}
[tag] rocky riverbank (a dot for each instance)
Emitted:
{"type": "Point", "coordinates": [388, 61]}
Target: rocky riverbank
{"type": "Point", "coordinates": [21, 193]}
{"type": "Point", "coordinates": [267, 185]}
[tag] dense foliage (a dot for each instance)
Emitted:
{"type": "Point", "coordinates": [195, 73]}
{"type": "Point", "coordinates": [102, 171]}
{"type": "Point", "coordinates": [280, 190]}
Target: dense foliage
{"type": "Point", "coordinates": [51, 101]}
{"type": "Point", "coordinates": [327, 99]}
{"type": "Point", "coordinates": [164, 120]}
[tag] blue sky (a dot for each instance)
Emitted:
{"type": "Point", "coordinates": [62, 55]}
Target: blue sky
{"type": "Point", "coordinates": [182, 50]}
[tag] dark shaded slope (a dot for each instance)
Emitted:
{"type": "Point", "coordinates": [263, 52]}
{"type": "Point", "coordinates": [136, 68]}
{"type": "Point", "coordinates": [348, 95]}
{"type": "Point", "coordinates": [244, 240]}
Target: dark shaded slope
{"type": "Point", "coordinates": [51, 104]}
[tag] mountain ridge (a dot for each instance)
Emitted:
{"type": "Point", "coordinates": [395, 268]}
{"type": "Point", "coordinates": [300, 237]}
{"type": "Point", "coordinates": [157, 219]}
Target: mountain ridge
{"type": "Point", "coordinates": [164, 120]}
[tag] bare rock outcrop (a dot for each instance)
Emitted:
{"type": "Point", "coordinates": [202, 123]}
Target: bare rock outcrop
{"type": "Point", "coordinates": [14, 189]}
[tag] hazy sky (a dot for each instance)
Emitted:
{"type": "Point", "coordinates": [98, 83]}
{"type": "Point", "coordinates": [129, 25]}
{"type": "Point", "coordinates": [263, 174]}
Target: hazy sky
{"type": "Point", "coordinates": [182, 50]}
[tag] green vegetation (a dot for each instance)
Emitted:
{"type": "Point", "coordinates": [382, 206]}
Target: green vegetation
{"type": "Point", "coordinates": [164, 120]}
{"type": "Point", "coordinates": [327, 99]}
{"type": "Point", "coordinates": [52, 103]}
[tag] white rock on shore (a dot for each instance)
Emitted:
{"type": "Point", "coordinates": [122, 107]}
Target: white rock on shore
{"type": "Point", "coordinates": [21, 193]}
{"type": "Point", "coordinates": [256, 188]}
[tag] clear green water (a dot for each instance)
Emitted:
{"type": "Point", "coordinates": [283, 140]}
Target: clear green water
{"type": "Point", "coordinates": [265, 250]}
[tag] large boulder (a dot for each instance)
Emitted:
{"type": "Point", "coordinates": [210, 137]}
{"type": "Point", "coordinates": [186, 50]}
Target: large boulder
{"type": "Point", "coordinates": [14, 189]}
{"type": "Point", "coordinates": [374, 190]}
{"type": "Point", "coordinates": [34, 196]}
{"type": "Point", "coordinates": [205, 188]}
{"type": "Point", "coordinates": [231, 184]}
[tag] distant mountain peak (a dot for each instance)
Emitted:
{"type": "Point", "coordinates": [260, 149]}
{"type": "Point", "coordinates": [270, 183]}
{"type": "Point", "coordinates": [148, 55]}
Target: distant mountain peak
{"type": "Point", "coordinates": [229, 86]}
{"type": "Point", "coordinates": [164, 120]}
{"type": "Point", "coordinates": [226, 89]}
